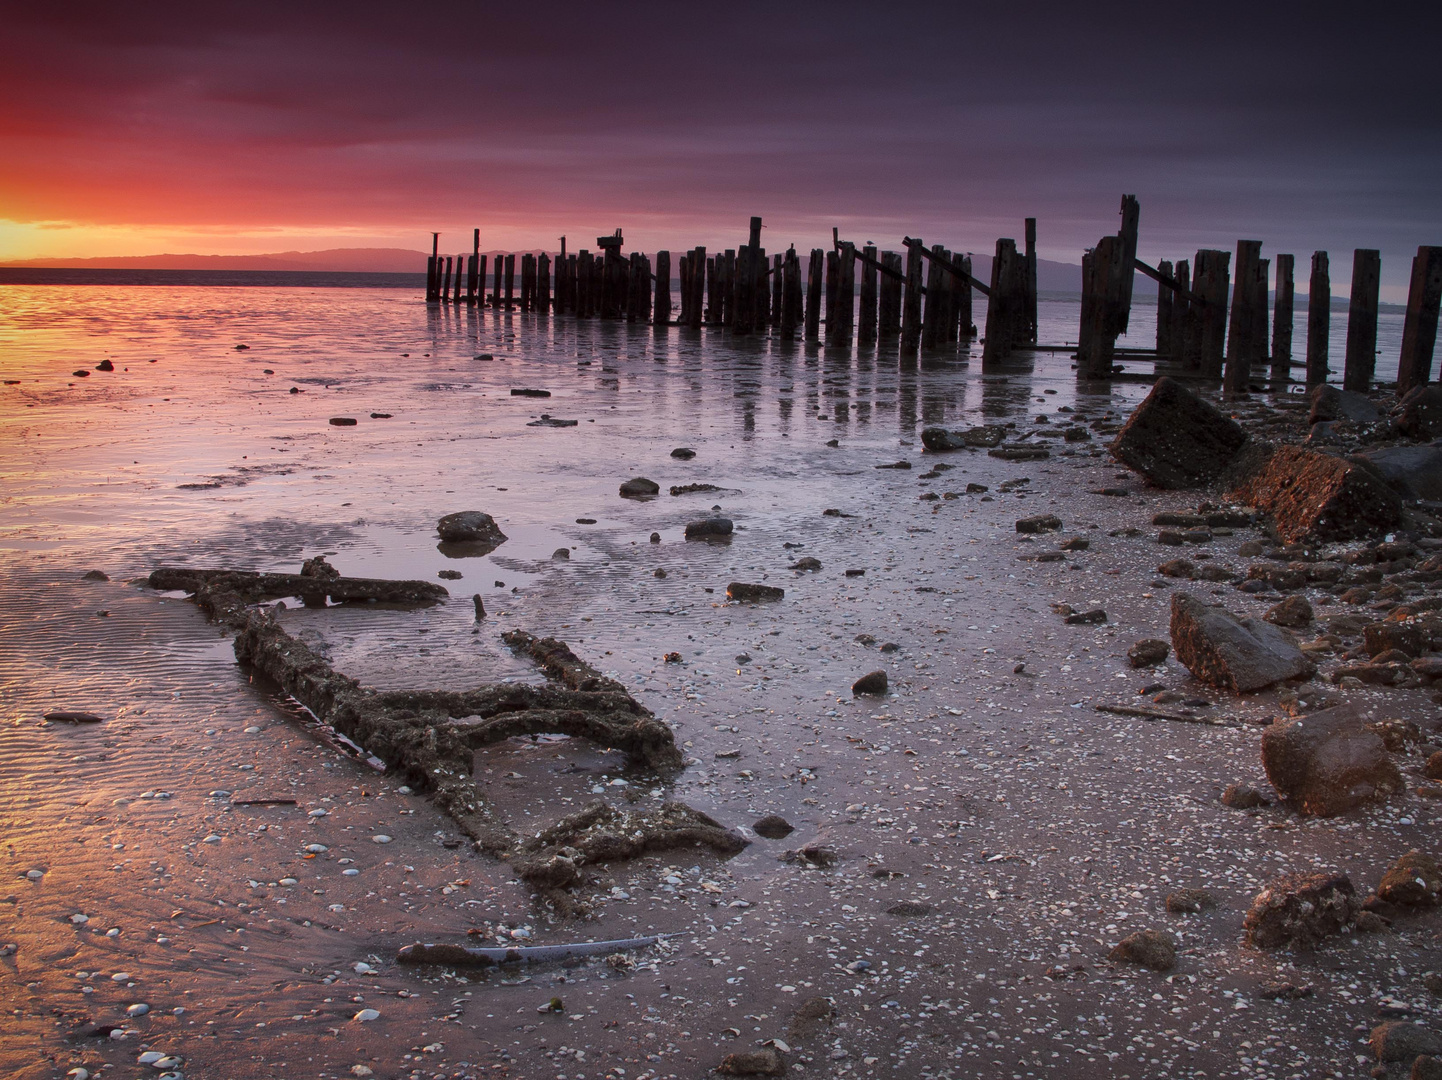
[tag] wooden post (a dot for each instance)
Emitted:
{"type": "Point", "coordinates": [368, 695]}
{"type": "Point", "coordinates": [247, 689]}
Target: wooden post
{"type": "Point", "coordinates": [1260, 350]}
{"type": "Point", "coordinates": [1031, 278]}
{"type": "Point", "coordinates": [460, 278]}
{"type": "Point", "coordinates": [698, 285]}
{"type": "Point", "coordinates": [585, 305]}
{"type": "Point", "coordinates": [911, 302]}
{"type": "Point", "coordinates": [966, 322]}
{"type": "Point", "coordinates": [866, 330]}
{"type": "Point", "coordinates": [683, 273]}
{"type": "Point", "coordinates": [778, 292]}
{"type": "Point", "coordinates": [1165, 348]}
{"type": "Point", "coordinates": [433, 268]}
{"type": "Point", "coordinates": [833, 285]}
{"type": "Point", "coordinates": [1213, 278]}
{"type": "Point", "coordinates": [498, 288]}
{"type": "Point", "coordinates": [813, 294]}
{"type": "Point", "coordinates": [845, 311]}
{"type": "Point", "coordinates": [480, 281]}
{"type": "Point", "coordinates": [1419, 328]}
{"type": "Point", "coordinates": [889, 317]}
{"type": "Point", "coordinates": [662, 312]}
{"type": "Point", "coordinates": [1242, 337]}
{"type": "Point", "coordinates": [1361, 362]}
{"type": "Point", "coordinates": [1282, 319]}
{"type": "Point", "coordinates": [931, 330]}
{"type": "Point", "coordinates": [471, 267]}
{"type": "Point", "coordinates": [446, 284]}
{"type": "Point", "coordinates": [1097, 342]}
{"type": "Point", "coordinates": [1131, 217]}
{"type": "Point", "coordinates": [760, 294]}
{"type": "Point", "coordinates": [1006, 307]}
{"type": "Point", "coordinates": [543, 283]}
{"type": "Point", "coordinates": [745, 308]}
{"type": "Point", "coordinates": [791, 301]}
{"type": "Point", "coordinates": [1319, 320]}
{"type": "Point", "coordinates": [510, 281]}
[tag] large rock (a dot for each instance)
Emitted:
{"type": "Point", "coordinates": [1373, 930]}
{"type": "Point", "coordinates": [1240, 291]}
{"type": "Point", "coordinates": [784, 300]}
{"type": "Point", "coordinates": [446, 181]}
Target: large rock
{"type": "Point", "coordinates": [1235, 654]}
{"type": "Point", "coordinates": [1421, 413]}
{"type": "Point", "coordinates": [1315, 496]}
{"type": "Point", "coordinates": [470, 527]}
{"type": "Point", "coordinates": [1330, 403]}
{"type": "Point", "coordinates": [1177, 440]}
{"type": "Point", "coordinates": [1155, 949]}
{"type": "Point", "coordinates": [639, 488]}
{"type": "Point", "coordinates": [1328, 762]}
{"type": "Point", "coordinates": [1413, 880]}
{"type": "Point", "coordinates": [1413, 472]}
{"type": "Point", "coordinates": [1397, 1040]}
{"type": "Point", "coordinates": [1301, 911]}
{"type": "Point", "coordinates": [939, 439]}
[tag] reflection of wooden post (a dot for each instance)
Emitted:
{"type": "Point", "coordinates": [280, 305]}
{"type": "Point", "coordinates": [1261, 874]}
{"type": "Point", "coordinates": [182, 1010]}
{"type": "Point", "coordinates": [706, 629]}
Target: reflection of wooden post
{"type": "Point", "coordinates": [1319, 320]}
{"type": "Point", "coordinates": [1282, 319]}
{"type": "Point", "coordinates": [866, 329]}
{"type": "Point", "coordinates": [911, 302]}
{"type": "Point", "coordinates": [1164, 315]}
{"type": "Point", "coordinates": [661, 314]}
{"type": "Point", "coordinates": [1419, 330]}
{"type": "Point", "coordinates": [1031, 278]}
{"type": "Point", "coordinates": [1361, 362]}
{"type": "Point", "coordinates": [813, 294]}
{"type": "Point", "coordinates": [1242, 338]}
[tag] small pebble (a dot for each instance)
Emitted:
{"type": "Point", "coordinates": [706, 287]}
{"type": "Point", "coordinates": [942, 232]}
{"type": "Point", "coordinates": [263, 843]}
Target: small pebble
{"type": "Point", "coordinates": [318, 812]}
{"type": "Point", "coordinates": [381, 838]}
{"type": "Point", "coordinates": [138, 1009]}
{"type": "Point", "coordinates": [367, 1014]}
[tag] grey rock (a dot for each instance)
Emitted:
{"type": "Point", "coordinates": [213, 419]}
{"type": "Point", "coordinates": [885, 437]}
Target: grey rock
{"type": "Point", "coordinates": [1413, 472]}
{"type": "Point", "coordinates": [741, 591]}
{"type": "Point", "coordinates": [639, 488]}
{"type": "Point", "coordinates": [717, 528]}
{"type": "Point", "coordinates": [1293, 612]}
{"type": "Point", "coordinates": [1331, 403]}
{"type": "Point", "coordinates": [1328, 762]}
{"type": "Point", "coordinates": [1147, 652]}
{"type": "Point", "coordinates": [1177, 440]}
{"type": "Point", "coordinates": [1232, 653]}
{"type": "Point", "coordinates": [1420, 415]}
{"type": "Point", "coordinates": [872, 683]}
{"type": "Point", "coordinates": [1413, 880]}
{"type": "Point", "coordinates": [470, 526]}
{"type": "Point", "coordinates": [773, 827]}
{"type": "Point", "coordinates": [1153, 949]}
{"type": "Point", "coordinates": [1397, 1040]}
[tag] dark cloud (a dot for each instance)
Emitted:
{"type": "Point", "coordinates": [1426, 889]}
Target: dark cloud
{"type": "Point", "coordinates": [1306, 127]}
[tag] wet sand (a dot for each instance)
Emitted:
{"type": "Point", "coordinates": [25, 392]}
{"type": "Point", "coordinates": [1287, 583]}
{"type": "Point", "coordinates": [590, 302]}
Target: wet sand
{"type": "Point", "coordinates": [1037, 831]}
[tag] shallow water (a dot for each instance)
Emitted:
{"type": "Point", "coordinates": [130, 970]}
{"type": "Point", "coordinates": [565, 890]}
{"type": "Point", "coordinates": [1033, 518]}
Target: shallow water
{"type": "Point", "coordinates": [998, 797]}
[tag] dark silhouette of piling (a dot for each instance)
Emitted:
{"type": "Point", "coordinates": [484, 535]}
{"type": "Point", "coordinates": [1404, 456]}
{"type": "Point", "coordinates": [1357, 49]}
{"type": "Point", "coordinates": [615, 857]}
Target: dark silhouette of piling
{"type": "Point", "coordinates": [1361, 361]}
{"type": "Point", "coordinates": [1419, 328]}
{"type": "Point", "coordinates": [911, 302]}
{"type": "Point", "coordinates": [662, 312]}
{"type": "Point", "coordinates": [866, 322]}
{"type": "Point", "coordinates": [1166, 350]}
{"type": "Point", "coordinates": [1319, 319]}
{"type": "Point", "coordinates": [1282, 319]}
{"type": "Point", "coordinates": [1030, 295]}
{"type": "Point", "coordinates": [698, 287]}
{"type": "Point", "coordinates": [510, 281]}
{"type": "Point", "coordinates": [1211, 282]}
{"type": "Point", "coordinates": [813, 294]}
{"type": "Point", "coordinates": [1242, 339]}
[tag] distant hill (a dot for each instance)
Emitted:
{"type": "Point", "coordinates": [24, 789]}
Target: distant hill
{"type": "Point", "coordinates": [353, 260]}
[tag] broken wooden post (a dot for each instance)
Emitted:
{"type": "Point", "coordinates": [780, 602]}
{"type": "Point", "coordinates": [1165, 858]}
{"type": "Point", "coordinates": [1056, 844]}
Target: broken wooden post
{"type": "Point", "coordinates": [1181, 312]}
{"type": "Point", "coordinates": [543, 283]}
{"type": "Point", "coordinates": [661, 315]}
{"type": "Point", "coordinates": [814, 294]}
{"type": "Point", "coordinates": [841, 313]}
{"type": "Point", "coordinates": [1419, 328]}
{"type": "Point", "coordinates": [966, 323]}
{"type": "Point", "coordinates": [698, 286]}
{"type": "Point", "coordinates": [1242, 337]}
{"type": "Point", "coordinates": [866, 324]}
{"type": "Point", "coordinates": [471, 267]}
{"type": "Point", "coordinates": [1282, 319]}
{"type": "Point", "coordinates": [1127, 234]}
{"type": "Point", "coordinates": [1030, 296]}
{"type": "Point", "coordinates": [1006, 305]}
{"type": "Point", "coordinates": [1319, 320]}
{"type": "Point", "coordinates": [1211, 282]}
{"type": "Point", "coordinates": [778, 291]}
{"type": "Point", "coordinates": [433, 270]}
{"type": "Point", "coordinates": [510, 281]}
{"type": "Point", "coordinates": [460, 277]}
{"type": "Point", "coordinates": [1165, 348]}
{"type": "Point", "coordinates": [446, 283]}
{"type": "Point", "coordinates": [931, 316]}
{"type": "Point", "coordinates": [911, 302]}
{"type": "Point", "coordinates": [792, 305]}
{"type": "Point", "coordinates": [1102, 270]}
{"type": "Point", "coordinates": [1361, 361]}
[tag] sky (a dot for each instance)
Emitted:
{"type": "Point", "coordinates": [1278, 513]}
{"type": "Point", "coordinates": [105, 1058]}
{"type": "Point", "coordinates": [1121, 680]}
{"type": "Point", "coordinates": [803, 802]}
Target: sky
{"type": "Point", "coordinates": [135, 128]}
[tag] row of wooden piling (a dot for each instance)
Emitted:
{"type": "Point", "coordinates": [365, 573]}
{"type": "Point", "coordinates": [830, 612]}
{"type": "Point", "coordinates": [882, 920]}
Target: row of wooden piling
{"type": "Point", "coordinates": [923, 299]}
{"type": "Point", "coordinates": [1199, 334]}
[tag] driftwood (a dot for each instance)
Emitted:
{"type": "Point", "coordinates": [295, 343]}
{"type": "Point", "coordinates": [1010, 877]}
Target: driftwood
{"type": "Point", "coordinates": [1144, 713]}
{"type": "Point", "coordinates": [476, 956]}
{"type": "Point", "coordinates": [430, 736]}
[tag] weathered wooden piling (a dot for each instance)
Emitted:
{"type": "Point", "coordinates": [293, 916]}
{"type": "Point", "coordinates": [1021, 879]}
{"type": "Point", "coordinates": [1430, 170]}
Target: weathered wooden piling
{"type": "Point", "coordinates": [813, 294]}
{"type": "Point", "coordinates": [1166, 350]}
{"type": "Point", "coordinates": [1242, 337]}
{"type": "Point", "coordinates": [472, 266]}
{"type": "Point", "coordinates": [1319, 320]}
{"type": "Point", "coordinates": [698, 286]}
{"type": "Point", "coordinates": [716, 298]}
{"type": "Point", "coordinates": [1030, 295]}
{"type": "Point", "coordinates": [1361, 360]}
{"type": "Point", "coordinates": [585, 277]}
{"type": "Point", "coordinates": [777, 289]}
{"type": "Point", "coordinates": [1006, 304]}
{"type": "Point", "coordinates": [931, 328]}
{"type": "Point", "coordinates": [1211, 282]}
{"type": "Point", "coordinates": [1181, 311]}
{"type": "Point", "coordinates": [433, 268]}
{"type": "Point", "coordinates": [543, 283]}
{"type": "Point", "coordinates": [510, 281]}
{"type": "Point", "coordinates": [833, 287]}
{"type": "Point", "coordinates": [792, 305]}
{"type": "Point", "coordinates": [965, 320]}
{"type": "Point", "coordinates": [843, 310]}
{"type": "Point", "coordinates": [911, 301]}
{"type": "Point", "coordinates": [866, 323]}
{"type": "Point", "coordinates": [1282, 319]}
{"type": "Point", "coordinates": [1419, 328]}
{"type": "Point", "coordinates": [446, 283]}
{"type": "Point", "coordinates": [661, 315]}
{"type": "Point", "coordinates": [1101, 290]}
